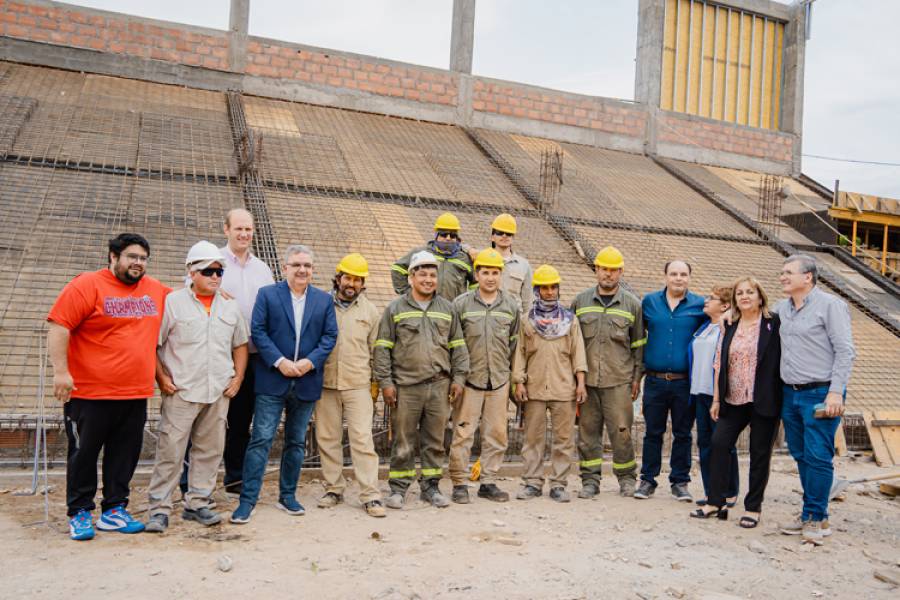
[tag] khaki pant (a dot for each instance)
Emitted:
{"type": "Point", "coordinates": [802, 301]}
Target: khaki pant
{"type": "Point", "coordinates": [421, 413]}
{"type": "Point", "coordinates": [356, 407]}
{"type": "Point", "coordinates": [611, 406]}
{"type": "Point", "coordinates": [204, 426]}
{"type": "Point", "coordinates": [562, 449]}
{"type": "Point", "coordinates": [490, 409]}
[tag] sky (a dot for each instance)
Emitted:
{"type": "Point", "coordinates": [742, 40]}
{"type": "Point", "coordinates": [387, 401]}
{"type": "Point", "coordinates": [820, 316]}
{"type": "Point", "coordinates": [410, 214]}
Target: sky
{"type": "Point", "coordinates": [852, 77]}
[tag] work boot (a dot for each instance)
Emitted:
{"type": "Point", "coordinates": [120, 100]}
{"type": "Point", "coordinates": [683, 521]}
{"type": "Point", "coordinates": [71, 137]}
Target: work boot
{"type": "Point", "coordinates": [589, 489]}
{"type": "Point", "coordinates": [395, 500]}
{"type": "Point", "coordinates": [157, 523]}
{"type": "Point", "coordinates": [329, 500]}
{"type": "Point", "coordinates": [680, 492]}
{"type": "Point", "coordinates": [202, 515]}
{"type": "Point", "coordinates": [433, 495]}
{"type": "Point", "coordinates": [460, 494]}
{"type": "Point", "coordinates": [559, 494]}
{"type": "Point", "coordinates": [644, 490]}
{"type": "Point", "coordinates": [492, 492]}
{"type": "Point", "coordinates": [626, 486]}
{"type": "Point", "coordinates": [528, 492]}
{"type": "Point", "coordinates": [374, 508]}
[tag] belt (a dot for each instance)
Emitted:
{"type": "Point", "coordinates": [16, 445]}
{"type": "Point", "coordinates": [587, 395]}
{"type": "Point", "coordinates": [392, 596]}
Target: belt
{"type": "Point", "coordinates": [440, 376]}
{"type": "Point", "coordinates": [482, 389]}
{"type": "Point", "coordinates": [667, 376]}
{"type": "Point", "coordinates": [797, 387]}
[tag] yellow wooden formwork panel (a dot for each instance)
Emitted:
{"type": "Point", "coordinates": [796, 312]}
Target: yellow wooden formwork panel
{"type": "Point", "coordinates": [708, 42]}
{"type": "Point", "coordinates": [756, 59]}
{"type": "Point", "coordinates": [721, 27]}
{"type": "Point", "coordinates": [777, 77]}
{"type": "Point", "coordinates": [682, 53]}
{"type": "Point", "coordinates": [668, 59]}
{"type": "Point", "coordinates": [767, 64]}
{"type": "Point", "coordinates": [695, 58]}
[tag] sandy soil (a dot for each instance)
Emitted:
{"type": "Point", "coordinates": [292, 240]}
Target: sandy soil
{"type": "Point", "coordinates": [606, 547]}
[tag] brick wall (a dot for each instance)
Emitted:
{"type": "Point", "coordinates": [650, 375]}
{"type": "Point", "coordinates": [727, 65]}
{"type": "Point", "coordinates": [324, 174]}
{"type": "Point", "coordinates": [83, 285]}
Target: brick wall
{"type": "Point", "coordinates": [720, 136]}
{"type": "Point", "coordinates": [117, 34]}
{"type": "Point", "coordinates": [587, 112]}
{"type": "Point", "coordinates": [267, 58]}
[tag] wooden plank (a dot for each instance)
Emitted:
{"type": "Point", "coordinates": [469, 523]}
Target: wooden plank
{"type": "Point", "coordinates": [879, 449]}
{"type": "Point", "coordinates": [889, 489]}
{"type": "Point", "coordinates": [891, 435]}
{"type": "Point", "coordinates": [840, 441]}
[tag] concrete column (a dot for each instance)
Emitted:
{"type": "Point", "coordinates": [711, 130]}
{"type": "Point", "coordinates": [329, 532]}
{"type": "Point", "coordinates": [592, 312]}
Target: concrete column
{"type": "Point", "coordinates": [648, 64]}
{"type": "Point", "coordinates": [792, 95]}
{"type": "Point", "coordinates": [238, 30]}
{"type": "Point", "coordinates": [462, 36]}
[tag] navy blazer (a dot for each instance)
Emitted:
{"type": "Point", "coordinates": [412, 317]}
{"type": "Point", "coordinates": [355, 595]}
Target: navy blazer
{"type": "Point", "coordinates": [767, 385]}
{"type": "Point", "coordinates": [273, 332]}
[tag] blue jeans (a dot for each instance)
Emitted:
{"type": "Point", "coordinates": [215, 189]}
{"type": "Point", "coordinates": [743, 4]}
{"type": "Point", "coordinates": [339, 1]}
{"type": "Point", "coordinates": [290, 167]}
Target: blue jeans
{"type": "Point", "coordinates": [266, 417]}
{"type": "Point", "coordinates": [811, 443]}
{"type": "Point", "coordinates": [662, 398]}
{"type": "Point", "coordinates": [705, 428]}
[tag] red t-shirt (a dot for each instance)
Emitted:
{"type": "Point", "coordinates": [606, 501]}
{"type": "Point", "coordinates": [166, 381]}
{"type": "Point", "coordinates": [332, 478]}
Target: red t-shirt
{"type": "Point", "coordinates": [113, 333]}
{"type": "Point", "coordinates": [206, 301]}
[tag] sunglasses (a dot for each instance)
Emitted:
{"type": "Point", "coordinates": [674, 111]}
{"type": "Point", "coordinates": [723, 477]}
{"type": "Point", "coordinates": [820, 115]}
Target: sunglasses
{"type": "Point", "coordinates": [448, 234]}
{"type": "Point", "coordinates": [499, 233]}
{"type": "Point", "coordinates": [210, 271]}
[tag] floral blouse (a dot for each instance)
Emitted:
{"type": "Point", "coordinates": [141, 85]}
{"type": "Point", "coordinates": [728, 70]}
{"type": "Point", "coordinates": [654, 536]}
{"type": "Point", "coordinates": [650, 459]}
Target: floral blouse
{"type": "Point", "coordinates": [741, 363]}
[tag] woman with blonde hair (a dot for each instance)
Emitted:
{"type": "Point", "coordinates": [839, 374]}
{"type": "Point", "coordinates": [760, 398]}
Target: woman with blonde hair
{"type": "Point", "coordinates": [748, 391]}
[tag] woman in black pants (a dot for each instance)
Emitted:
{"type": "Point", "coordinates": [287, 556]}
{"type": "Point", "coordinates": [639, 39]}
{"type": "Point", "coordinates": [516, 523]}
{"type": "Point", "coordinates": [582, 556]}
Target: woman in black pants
{"type": "Point", "coordinates": [747, 392]}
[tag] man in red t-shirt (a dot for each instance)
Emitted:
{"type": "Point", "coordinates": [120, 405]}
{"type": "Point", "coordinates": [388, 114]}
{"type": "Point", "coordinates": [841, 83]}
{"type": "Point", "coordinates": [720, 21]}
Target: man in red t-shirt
{"type": "Point", "coordinates": [102, 341]}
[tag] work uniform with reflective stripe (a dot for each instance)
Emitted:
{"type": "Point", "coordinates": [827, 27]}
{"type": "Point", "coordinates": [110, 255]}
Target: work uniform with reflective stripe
{"type": "Point", "coordinates": [419, 352]}
{"type": "Point", "coordinates": [491, 331]}
{"type": "Point", "coordinates": [455, 272]}
{"type": "Point", "coordinates": [614, 342]}
{"type": "Point", "coordinates": [346, 394]}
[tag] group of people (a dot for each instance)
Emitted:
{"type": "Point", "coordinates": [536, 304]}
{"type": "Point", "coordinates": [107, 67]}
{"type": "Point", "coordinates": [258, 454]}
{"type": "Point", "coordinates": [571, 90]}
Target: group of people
{"type": "Point", "coordinates": [233, 352]}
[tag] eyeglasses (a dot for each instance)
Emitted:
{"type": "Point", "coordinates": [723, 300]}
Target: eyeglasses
{"type": "Point", "coordinates": [210, 271]}
{"type": "Point", "coordinates": [716, 298]}
{"type": "Point", "coordinates": [448, 234]}
{"type": "Point", "coordinates": [299, 265]}
{"type": "Point", "coordinates": [501, 233]}
{"type": "Point", "coordinates": [141, 258]}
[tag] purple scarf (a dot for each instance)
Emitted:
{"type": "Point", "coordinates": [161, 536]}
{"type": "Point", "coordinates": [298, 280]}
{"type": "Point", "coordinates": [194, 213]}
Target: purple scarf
{"type": "Point", "coordinates": [550, 319]}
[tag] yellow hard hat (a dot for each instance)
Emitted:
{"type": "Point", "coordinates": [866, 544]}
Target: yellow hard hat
{"type": "Point", "coordinates": [545, 275]}
{"type": "Point", "coordinates": [505, 223]}
{"type": "Point", "coordinates": [489, 258]}
{"type": "Point", "coordinates": [353, 264]}
{"type": "Point", "coordinates": [610, 258]}
{"type": "Point", "coordinates": [446, 222]}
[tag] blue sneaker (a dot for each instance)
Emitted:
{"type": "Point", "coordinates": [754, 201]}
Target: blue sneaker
{"type": "Point", "coordinates": [290, 506]}
{"type": "Point", "coordinates": [81, 526]}
{"type": "Point", "coordinates": [118, 519]}
{"type": "Point", "coordinates": [242, 513]}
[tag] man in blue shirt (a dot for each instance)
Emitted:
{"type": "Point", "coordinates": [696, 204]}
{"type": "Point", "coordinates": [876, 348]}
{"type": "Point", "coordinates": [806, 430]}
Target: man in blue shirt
{"type": "Point", "coordinates": [671, 316]}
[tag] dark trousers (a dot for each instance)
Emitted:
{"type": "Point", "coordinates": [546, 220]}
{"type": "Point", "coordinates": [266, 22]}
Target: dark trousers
{"type": "Point", "coordinates": [116, 427]}
{"type": "Point", "coordinates": [237, 436]}
{"type": "Point", "coordinates": [705, 428]}
{"type": "Point", "coordinates": [762, 439]}
{"type": "Point", "coordinates": [661, 399]}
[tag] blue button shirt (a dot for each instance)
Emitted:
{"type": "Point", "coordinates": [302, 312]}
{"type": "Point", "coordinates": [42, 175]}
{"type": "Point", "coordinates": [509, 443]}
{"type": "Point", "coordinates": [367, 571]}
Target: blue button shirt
{"type": "Point", "coordinates": [669, 332]}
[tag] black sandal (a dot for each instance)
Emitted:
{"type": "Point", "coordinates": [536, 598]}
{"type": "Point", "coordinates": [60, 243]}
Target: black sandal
{"type": "Point", "coordinates": [748, 522]}
{"type": "Point", "coordinates": [719, 513]}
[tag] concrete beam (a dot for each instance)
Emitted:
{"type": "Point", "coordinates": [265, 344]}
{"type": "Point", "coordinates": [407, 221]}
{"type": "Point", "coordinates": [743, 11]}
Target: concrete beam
{"type": "Point", "coordinates": [462, 36]}
{"type": "Point", "coordinates": [238, 32]}
{"type": "Point", "coordinates": [794, 65]}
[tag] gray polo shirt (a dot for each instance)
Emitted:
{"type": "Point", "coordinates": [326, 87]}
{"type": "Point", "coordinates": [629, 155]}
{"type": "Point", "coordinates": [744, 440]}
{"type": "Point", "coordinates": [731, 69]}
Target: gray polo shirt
{"type": "Point", "coordinates": [816, 340]}
{"type": "Point", "coordinates": [196, 347]}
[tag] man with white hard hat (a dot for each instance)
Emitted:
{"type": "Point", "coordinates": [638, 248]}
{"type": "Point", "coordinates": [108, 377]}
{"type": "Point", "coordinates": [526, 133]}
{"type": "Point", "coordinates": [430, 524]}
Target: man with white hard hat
{"type": "Point", "coordinates": [421, 364]}
{"type": "Point", "coordinates": [202, 357]}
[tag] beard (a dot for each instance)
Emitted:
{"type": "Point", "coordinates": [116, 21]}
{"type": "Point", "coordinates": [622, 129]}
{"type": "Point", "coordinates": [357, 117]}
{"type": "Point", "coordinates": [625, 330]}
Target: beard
{"type": "Point", "coordinates": [123, 275]}
{"type": "Point", "coordinates": [347, 293]}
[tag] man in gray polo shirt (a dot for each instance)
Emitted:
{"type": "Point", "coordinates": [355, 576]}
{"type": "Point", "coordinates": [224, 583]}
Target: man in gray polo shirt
{"type": "Point", "coordinates": [816, 356]}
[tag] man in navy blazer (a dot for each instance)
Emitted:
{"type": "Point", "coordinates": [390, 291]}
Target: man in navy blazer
{"type": "Point", "coordinates": [294, 329]}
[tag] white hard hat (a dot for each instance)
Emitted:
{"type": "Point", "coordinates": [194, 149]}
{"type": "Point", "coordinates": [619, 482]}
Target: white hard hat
{"type": "Point", "coordinates": [202, 254]}
{"type": "Point", "coordinates": [423, 258]}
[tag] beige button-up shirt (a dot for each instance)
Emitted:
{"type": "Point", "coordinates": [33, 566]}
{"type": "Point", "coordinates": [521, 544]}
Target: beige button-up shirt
{"type": "Point", "coordinates": [349, 366]}
{"type": "Point", "coordinates": [517, 281]}
{"type": "Point", "coordinates": [548, 367]}
{"type": "Point", "coordinates": [196, 348]}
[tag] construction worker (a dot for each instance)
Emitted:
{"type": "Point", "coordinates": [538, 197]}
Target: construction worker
{"type": "Point", "coordinates": [420, 362]}
{"type": "Point", "coordinates": [455, 272]}
{"type": "Point", "coordinates": [346, 391]}
{"type": "Point", "coordinates": [517, 270]}
{"type": "Point", "coordinates": [613, 329]}
{"type": "Point", "coordinates": [549, 373]}
{"type": "Point", "coordinates": [490, 324]}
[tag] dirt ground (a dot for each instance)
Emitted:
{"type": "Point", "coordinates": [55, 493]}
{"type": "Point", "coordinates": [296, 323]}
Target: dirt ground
{"type": "Point", "coordinates": [605, 547]}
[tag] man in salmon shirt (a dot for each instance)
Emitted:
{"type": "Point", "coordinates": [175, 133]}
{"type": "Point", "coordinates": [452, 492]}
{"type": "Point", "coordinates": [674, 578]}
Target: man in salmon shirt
{"type": "Point", "coordinates": [102, 340]}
